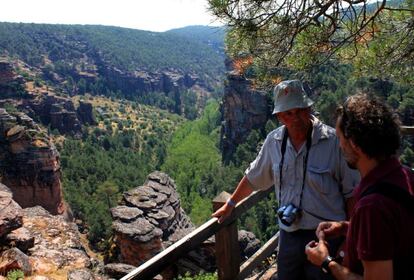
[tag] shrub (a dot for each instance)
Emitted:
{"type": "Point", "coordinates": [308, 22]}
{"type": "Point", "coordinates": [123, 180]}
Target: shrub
{"type": "Point", "coordinates": [15, 274]}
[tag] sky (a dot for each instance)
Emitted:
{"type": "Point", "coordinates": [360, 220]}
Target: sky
{"type": "Point", "coordinates": [152, 15]}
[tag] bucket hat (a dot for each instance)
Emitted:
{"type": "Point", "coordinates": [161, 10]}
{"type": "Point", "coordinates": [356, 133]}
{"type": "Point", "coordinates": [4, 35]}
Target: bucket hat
{"type": "Point", "coordinates": [289, 95]}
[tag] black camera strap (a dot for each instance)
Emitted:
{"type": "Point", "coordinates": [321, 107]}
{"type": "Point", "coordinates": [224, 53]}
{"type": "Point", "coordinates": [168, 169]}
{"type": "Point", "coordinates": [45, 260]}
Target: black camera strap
{"type": "Point", "coordinates": [282, 160]}
{"type": "Point", "coordinates": [305, 162]}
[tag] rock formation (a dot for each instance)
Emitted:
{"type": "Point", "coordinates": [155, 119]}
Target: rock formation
{"type": "Point", "coordinates": [11, 84]}
{"type": "Point", "coordinates": [243, 109]}
{"type": "Point", "coordinates": [11, 213]}
{"type": "Point", "coordinates": [85, 113]}
{"type": "Point", "coordinates": [141, 81]}
{"type": "Point", "coordinates": [7, 73]}
{"type": "Point", "coordinates": [150, 219]}
{"type": "Point", "coordinates": [58, 112]}
{"type": "Point", "coordinates": [29, 163]}
{"type": "Point", "coordinates": [171, 82]}
{"type": "Point", "coordinates": [40, 244]}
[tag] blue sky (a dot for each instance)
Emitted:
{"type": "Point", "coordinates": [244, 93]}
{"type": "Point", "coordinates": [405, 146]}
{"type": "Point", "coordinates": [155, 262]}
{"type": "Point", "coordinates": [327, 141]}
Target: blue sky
{"type": "Point", "coordinates": [153, 15]}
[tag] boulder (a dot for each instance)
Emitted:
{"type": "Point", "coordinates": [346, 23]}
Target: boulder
{"type": "Point", "coordinates": [21, 239]}
{"type": "Point", "coordinates": [14, 259]}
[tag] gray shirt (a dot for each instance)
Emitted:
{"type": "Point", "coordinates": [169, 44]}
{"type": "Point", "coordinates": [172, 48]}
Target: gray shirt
{"type": "Point", "coordinates": [328, 182]}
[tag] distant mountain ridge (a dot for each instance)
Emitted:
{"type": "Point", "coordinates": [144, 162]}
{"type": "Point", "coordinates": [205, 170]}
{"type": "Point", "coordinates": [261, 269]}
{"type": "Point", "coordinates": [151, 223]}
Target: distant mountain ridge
{"type": "Point", "coordinates": [212, 36]}
{"type": "Point", "coordinates": [121, 62]}
{"type": "Point", "coordinates": [126, 49]}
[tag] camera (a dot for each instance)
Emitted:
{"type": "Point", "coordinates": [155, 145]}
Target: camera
{"type": "Point", "coordinates": [288, 214]}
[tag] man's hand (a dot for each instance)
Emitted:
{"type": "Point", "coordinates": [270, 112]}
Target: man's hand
{"type": "Point", "coordinates": [332, 229]}
{"type": "Point", "coordinates": [317, 251]}
{"type": "Point", "coordinates": [223, 212]}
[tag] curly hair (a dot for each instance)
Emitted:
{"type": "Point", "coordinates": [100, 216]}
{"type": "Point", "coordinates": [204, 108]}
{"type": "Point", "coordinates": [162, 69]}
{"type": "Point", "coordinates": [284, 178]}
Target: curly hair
{"type": "Point", "coordinates": [371, 125]}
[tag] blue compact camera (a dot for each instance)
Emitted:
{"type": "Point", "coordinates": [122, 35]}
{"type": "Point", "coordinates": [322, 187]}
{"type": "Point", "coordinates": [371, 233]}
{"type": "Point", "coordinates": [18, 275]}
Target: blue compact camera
{"type": "Point", "coordinates": [288, 214]}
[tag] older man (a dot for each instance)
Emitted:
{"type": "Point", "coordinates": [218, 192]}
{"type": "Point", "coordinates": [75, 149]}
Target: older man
{"type": "Point", "coordinates": [379, 235]}
{"type": "Point", "coordinates": [303, 161]}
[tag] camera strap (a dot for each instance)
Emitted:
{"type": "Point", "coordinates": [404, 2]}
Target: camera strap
{"type": "Point", "coordinates": [282, 160]}
{"type": "Point", "coordinates": [305, 162]}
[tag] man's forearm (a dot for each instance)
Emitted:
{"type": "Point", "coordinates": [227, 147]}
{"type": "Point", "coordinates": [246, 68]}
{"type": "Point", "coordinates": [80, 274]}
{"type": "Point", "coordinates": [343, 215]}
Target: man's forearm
{"type": "Point", "coordinates": [243, 190]}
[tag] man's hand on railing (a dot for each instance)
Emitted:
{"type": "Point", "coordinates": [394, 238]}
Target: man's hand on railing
{"type": "Point", "coordinates": [224, 211]}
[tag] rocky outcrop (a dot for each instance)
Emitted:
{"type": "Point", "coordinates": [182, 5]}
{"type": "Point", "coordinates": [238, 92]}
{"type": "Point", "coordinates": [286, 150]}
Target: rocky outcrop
{"type": "Point", "coordinates": [7, 73]}
{"type": "Point", "coordinates": [150, 219]}
{"type": "Point", "coordinates": [85, 113]}
{"type": "Point", "coordinates": [57, 243]}
{"type": "Point", "coordinates": [11, 84]}
{"type": "Point", "coordinates": [54, 111]}
{"type": "Point", "coordinates": [58, 112]}
{"type": "Point", "coordinates": [140, 81]}
{"type": "Point", "coordinates": [29, 163]}
{"type": "Point", "coordinates": [171, 82]}
{"type": "Point", "coordinates": [38, 243]}
{"type": "Point", "coordinates": [243, 110]}
{"type": "Point", "coordinates": [11, 214]}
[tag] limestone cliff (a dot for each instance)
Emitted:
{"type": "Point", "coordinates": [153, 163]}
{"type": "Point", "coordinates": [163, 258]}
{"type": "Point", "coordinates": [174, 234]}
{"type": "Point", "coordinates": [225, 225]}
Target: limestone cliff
{"type": "Point", "coordinates": [243, 109]}
{"type": "Point", "coordinates": [29, 163]}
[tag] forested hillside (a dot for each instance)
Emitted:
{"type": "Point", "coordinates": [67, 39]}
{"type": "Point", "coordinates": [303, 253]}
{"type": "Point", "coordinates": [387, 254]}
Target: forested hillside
{"type": "Point", "coordinates": [123, 48]}
{"type": "Point", "coordinates": [212, 36]}
{"type": "Point", "coordinates": [128, 142]}
{"type": "Point", "coordinates": [168, 70]}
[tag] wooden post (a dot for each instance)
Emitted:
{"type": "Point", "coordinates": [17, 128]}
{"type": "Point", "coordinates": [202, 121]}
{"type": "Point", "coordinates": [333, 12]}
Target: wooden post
{"type": "Point", "coordinates": [227, 245]}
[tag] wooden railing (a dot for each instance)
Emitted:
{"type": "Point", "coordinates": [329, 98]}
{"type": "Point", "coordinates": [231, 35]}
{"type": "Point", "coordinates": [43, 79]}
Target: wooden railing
{"type": "Point", "coordinates": [228, 262]}
{"type": "Point", "coordinates": [227, 248]}
{"type": "Point", "coordinates": [407, 130]}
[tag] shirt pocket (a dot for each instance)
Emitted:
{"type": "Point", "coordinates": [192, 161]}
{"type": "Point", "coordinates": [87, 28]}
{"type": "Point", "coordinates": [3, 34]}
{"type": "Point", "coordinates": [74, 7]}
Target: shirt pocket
{"type": "Point", "coordinates": [321, 179]}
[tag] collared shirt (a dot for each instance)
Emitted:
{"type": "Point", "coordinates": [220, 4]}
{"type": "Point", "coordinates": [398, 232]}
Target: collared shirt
{"type": "Point", "coordinates": [328, 182]}
{"type": "Point", "coordinates": [380, 227]}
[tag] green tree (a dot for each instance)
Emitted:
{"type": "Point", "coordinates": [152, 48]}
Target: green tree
{"type": "Point", "coordinates": [108, 191]}
{"type": "Point", "coordinates": [301, 33]}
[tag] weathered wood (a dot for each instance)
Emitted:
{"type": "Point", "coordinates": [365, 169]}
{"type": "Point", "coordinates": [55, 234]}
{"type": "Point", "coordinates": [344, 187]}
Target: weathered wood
{"type": "Point", "coordinates": [153, 266]}
{"type": "Point", "coordinates": [227, 245]}
{"type": "Point", "coordinates": [263, 253]}
{"type": "Point", "coordinates": [407, 130]}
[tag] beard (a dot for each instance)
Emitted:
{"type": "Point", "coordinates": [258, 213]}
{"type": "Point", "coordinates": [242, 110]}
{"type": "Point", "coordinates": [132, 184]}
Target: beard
{"type": "Point", "coordinates": [351, 159]}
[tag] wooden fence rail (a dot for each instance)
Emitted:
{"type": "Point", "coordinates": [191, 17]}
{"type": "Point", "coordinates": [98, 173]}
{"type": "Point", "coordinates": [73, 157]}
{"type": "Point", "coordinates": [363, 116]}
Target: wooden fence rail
{"type": "Point", "coordinates": [153, 266]}
{"type": "Point", "coordinates": [407, 130]}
